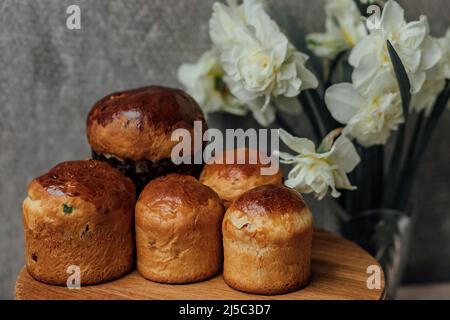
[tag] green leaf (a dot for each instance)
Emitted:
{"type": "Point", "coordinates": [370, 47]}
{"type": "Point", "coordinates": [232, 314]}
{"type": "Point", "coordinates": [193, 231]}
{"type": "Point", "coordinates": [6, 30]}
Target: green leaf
{"type": "Point", "coordinates": [394, 175]}
{"type": "Point", "coordinates": [402, 78]}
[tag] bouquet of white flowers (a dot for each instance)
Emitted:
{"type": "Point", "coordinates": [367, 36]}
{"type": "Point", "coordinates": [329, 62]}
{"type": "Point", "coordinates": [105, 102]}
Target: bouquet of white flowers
{"type": "Point", "coordinates": [370, 74]}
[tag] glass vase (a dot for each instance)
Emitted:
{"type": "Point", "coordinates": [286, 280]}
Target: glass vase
{"type": "Point", "coordinates": [385, 234]}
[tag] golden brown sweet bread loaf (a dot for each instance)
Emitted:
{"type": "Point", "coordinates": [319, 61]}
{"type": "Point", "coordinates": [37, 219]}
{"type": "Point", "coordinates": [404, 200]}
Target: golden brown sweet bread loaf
{"type": "Point", "coordinates": [178, 230]}
{"type": "Point", "coordinates": [267, 236]}
{"type": "Point", "coordinates": [232, 180]}
{"type": "Point", "coordinates": [132, 129]}
{"type": "Point", "coordinates": [80, 213]}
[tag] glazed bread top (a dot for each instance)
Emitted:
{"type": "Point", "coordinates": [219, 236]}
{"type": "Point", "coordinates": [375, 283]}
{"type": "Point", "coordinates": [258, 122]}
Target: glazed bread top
{"type": "Point", "coordinates": [137, 124]}
{"type": "Point", "coordinates": [231, 180]}
{"type": "Point", "coordinates": [88, 184]}
{"type": "Point", "coordinates": [178, 213]}
{"type": "Point", "coordinates": [175, 194]}
{"type": "Point", "coordinates": [267, 214]}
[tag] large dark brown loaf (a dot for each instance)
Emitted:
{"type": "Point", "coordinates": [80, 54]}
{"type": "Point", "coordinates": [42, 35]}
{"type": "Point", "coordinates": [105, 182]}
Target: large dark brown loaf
{"type": "Point", "coordinates": [132, 131]}
{"type": "Point", "coordinates": [80, 213]}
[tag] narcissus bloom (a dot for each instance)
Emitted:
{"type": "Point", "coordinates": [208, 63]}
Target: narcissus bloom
{"type": "Point", "coordinates": [435, 79]}
{"type": "Point", "coordinates": [315, 171]}
{"type": "Point", "coordinates": [370, 118]}
{"type": "Point", "coordinates": [258, 60]}
{"type": "Point", "coordinates": [412, 42]}
{"type": "Point", "coordinates": [344, 29]}
{"type": "Point", "coordinates": [203, 80]}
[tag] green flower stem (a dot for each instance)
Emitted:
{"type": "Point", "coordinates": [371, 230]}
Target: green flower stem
{"type": "Point", "coordinates": [341, 58]}
{"type": "Point", "coordinates": [417, 136]}
{"type": "Point", "coordinates": [329, 123]}
{"type": "Point", "coordinates": [312, 116]}
{"type": "Point", "coordinates": [394, 174]}
{"type": "Point", "coordinates": [409, 159]}
{"type": "Point", "coordinates": [369, 179]}
{"type": "Point", "coordinates": [361, 180]}
{"type": "Point", "coordinates": [350, 195]}
{"type": "Point", "coordinates": [376, 168]}
{"type": "Point", "coordinates": [282, 123]}
{"type": "Point", "coordinates": [433, 120]}
{"type": "Point", "coordinates": [422, 136]}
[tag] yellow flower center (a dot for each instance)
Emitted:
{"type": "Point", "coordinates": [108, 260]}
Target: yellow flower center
{"type": "Point", "coordinates": [262, 60]}
{"type": "Point", "coordinates": [347, 37]}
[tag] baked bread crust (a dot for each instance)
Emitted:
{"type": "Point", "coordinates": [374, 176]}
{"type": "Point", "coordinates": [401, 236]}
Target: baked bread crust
{"type": "Point", "coordinates": [267, 238]}
{"type": "Point", "coordinates": [178, 230]}
{"type": "Point", "coordinates": [137, 124]}
{"type": "Point", "coordinates": [230, 181]}
{"type": "Point", "coordinates": [79, 213]}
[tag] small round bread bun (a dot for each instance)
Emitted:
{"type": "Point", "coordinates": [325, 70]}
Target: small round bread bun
{"type": "Point", "coordinates": [79, 214]}
{"type": "Point", "coordinates": [132, 130]}
{"type": "Point", "coordinates": [178, 236]}
{"type": "Point", "coordinates": [232, 180]}
{"type": "Point", "coordinates": [267, 236]}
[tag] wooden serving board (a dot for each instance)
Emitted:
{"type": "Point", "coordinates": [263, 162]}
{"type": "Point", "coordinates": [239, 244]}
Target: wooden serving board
{"type": "Point", "coordinates": [339, 271]}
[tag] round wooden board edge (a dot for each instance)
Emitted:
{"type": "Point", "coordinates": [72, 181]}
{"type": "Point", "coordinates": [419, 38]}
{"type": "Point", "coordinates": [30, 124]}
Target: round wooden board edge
{"type": "Point", "coordinates": [23, 275]}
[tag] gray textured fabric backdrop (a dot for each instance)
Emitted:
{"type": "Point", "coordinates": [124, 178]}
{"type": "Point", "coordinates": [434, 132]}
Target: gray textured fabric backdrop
{"type": "Point", "coordinates": [50, 76]}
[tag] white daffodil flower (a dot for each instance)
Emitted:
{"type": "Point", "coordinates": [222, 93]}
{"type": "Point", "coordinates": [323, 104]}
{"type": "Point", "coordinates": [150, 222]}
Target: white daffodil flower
{"type": "Point", "coordinates": [344, 29]}
{"type": "Point", "coordinates": [314, 171]}
{"type": "Point", "coordinates": [417, 50]}
{"type": "Point", "coordinates": [370, 118]}
{"type": "Point", "coordinates": [435, 79]}
{"type": "Point", "coordinates": [258, 60]}
{"type": "Point", "coordinates": [203, 80]}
